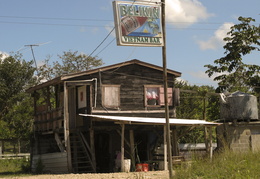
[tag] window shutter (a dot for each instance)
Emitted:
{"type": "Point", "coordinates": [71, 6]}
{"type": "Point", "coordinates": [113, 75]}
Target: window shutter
{"type": "Point", "coordinates": [111, 96]}
{"type": "Point", "coordinates": [169, 91]}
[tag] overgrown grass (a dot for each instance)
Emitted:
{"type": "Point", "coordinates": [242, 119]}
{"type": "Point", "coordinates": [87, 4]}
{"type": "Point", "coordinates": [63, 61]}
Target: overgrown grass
{"type": "Point", "coordinates": [14, 167]}
{"type": "Point", "coordinates": [228, 164]}
{"type": "Point", "coordinates": [232, 165]}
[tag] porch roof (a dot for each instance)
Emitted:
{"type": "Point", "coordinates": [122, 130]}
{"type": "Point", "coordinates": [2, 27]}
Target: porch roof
{"type": "Point", "coordinates": [149, 120]}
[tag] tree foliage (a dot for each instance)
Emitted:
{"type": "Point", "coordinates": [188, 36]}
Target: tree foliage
{"type": "Point", "coordinates": [71, 62]}
{"type": "Point", "coordinates": [234, 73]}
{"type": "Point", "coordinates": [15, 111]}
{"type": "Point", "coordinates": [196, 102]}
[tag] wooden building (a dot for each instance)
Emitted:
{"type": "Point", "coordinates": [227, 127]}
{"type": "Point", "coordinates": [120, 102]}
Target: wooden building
{"type": "Point", "coordinates": [66, 142]}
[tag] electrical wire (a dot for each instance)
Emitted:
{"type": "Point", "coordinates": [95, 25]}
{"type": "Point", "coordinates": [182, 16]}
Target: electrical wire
{"type": "Point", "coordinates": [53, 18]}
{"type": "Point", "coordinates": [85, 25]}
{"type": "Point", "coordinates": [102, 41]}
{"type": "Point", "coordinates": [105, 47]}
{"type": "Point", "coordinates": [104, 20]}
{"type": "Point", "coordinates": [37, 23]}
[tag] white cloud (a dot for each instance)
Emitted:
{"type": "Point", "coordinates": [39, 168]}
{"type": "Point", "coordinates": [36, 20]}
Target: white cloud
{"type": "Point", "coordinates": [3, 55]}
{"type": "Point", "coordinates": [95, 30]}
{"type": "Point", "coordinates": [201, 75]}
{"type": "Point", "coordinates": [109, 28]}
{"type": "Point", "coordinates": [183, 13]}
{"type": "Point", "coordinates": [216, 41]}
{"type": "Point", "coordinates": [203, 78]}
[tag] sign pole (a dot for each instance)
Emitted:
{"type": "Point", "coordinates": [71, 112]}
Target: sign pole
{"type": "Point", "coordinates": [168, 136]}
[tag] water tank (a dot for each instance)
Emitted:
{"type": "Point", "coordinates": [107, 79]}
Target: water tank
{"type": "Point", "coordinates": [238, 106]}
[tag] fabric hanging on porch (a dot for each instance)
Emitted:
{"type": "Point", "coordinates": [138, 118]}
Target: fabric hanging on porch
{"type": "Point", "coordinates": [158, 121]}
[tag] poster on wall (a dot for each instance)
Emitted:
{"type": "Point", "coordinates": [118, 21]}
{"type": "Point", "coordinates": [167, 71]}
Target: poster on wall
{"type": "Point", "coordinates": [82, 102]}
{"type": "Point", "coordinates": [138, 23]}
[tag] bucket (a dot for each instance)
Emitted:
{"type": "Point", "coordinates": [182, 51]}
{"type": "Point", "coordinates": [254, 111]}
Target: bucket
{"type": "Point", "coordinates": [142, 167]}
{"type": "Point", "coordinates": [127, 165]}
{"type": "Point", "coordinates": [145, 167]}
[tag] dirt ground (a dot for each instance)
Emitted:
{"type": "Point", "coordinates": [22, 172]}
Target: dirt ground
{"type": "Point", "coordinates": [121, 175]}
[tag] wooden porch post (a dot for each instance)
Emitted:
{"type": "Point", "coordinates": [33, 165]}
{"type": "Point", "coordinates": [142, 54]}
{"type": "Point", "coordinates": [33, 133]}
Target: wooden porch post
{"type": "Point", "coordinates": [66, 126]}
{"type": "Point", "coordinates": [210, 143]}
{"type": "Point", "coordinates": [92, 146]}
{"type": "Point", "coordinates": [175, 141]}
{"type": "Point", "coordinates": [132, 147]}
{"type": "Point", "coordinates": [122, 147]}
{"type": "Point", "coordinates": [1, 143]}
{"type": "Point", "coordinates": [165, 147]}
{"type": "Point", "coordinates": [206, 135]}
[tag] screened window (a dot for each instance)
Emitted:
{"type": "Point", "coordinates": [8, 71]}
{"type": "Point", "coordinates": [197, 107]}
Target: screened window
{"type": "Point", "coordinates": [111, 96]}
{"type": "Point", "coordinates": [154, 95]}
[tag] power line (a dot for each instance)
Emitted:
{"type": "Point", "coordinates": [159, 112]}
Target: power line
{"type": "Point", "coordinates": [36, 23]}
{"type": "Point", "coordinates": [105, 46]}
{"type": "Point", "coordinates": [84, 25]}
{"type": "Point", "coordinates": [102, 41]}
{"type": "Point", "coordinates": [53, 18]}
{"type": "Point", "coordinates": [104, 20]}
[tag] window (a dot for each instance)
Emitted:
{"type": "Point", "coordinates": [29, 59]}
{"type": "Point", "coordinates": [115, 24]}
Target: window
{"type": "Point", "coordinates": [111, 96]}
{"type": "Point", "coordinates": [82, 100]}
{"type": "Point", "coordinates": [154, 95]}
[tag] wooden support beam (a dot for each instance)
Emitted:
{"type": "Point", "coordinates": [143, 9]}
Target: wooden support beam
{"type": "Point", "coordinates": [66, 127]}
{"type": "Point", "coordinates": [92, 147]}
{"type": "Point", "coordinates": [206, 135]}
{"type": "Point", "coordinates": [126, 141]}
{"type": "Point", "coordinates": [59, 142]}
{"type": "Point", "coordinates": [122, 147]}
{"type": "Point", "coordinates": [1, 144]}
{"type": "Point", "coordinates": [175, 142]}
{"type": "Point", "coordinates": [132, 147]}
{"type": "Point", "coordinates": [210, 143]}
{"type": "Point", "coordinates": [165, 147]}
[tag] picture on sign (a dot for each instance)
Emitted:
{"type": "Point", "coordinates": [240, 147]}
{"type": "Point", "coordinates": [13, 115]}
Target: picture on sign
{"type": "Point", "coordinates": [138, 23]}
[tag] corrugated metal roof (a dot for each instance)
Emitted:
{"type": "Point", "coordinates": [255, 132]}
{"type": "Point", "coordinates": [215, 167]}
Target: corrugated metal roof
{"type": "Point", "coordinates": [149, 120]}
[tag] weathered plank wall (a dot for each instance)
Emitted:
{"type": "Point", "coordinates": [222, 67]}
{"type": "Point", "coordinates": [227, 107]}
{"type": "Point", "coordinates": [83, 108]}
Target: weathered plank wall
{"type": "Point", "coordinates": [131, 79]}
{"type": "Point", "coordinates": [52, 162]}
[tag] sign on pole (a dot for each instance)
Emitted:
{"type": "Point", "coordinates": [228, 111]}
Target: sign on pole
{"type": "Point", "coordinates": [138, 23]}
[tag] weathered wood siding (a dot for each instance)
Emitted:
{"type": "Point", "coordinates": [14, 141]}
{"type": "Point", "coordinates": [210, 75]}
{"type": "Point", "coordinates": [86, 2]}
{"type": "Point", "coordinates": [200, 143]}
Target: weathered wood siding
{"type": "Point", "coordinates": [131, 79]}
{"type": "Point", "coordinates": [52, 162]}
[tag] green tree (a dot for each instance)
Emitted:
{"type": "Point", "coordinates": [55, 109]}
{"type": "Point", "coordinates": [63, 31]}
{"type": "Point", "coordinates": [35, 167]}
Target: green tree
{"type": "Point", "coordinates": [196, 102]}
{"type": "Point", "coordinates": [71, 62]}
{"type": "Point", "coordinates": [234, 74]}
{"type": "Point", "coordinates": [15, 109]}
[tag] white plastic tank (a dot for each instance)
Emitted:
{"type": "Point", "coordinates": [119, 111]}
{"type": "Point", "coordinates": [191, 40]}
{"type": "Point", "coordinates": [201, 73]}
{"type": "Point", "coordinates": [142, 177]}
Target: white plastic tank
{"type": "Point", "coordinates": [238, 106]}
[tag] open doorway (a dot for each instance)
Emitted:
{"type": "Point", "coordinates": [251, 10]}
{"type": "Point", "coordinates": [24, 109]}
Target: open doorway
{"type": "Point", "coordinates": [102, 145]}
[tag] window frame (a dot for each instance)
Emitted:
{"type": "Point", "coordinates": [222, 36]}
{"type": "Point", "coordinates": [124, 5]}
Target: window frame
{"type": "Point", "coordinates": [160, 92]}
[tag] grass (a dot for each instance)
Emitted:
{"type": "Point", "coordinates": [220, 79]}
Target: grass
{"type": "Point", "coordinates": [14, 167]}
{"type": "Point", "coordinates": [232, 165]}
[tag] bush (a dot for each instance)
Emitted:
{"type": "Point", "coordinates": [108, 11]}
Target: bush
{"type": "Point", "coordinates": [14, 166]}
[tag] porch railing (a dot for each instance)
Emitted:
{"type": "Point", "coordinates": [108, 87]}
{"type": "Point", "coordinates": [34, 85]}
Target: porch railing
{"type": "Point", "coordinates": [49, 120]}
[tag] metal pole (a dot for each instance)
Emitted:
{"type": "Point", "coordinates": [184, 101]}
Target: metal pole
{"type": "Point", "coordinates": [169, 150]}
{"type": "Point", "coordinates": [33, 55]}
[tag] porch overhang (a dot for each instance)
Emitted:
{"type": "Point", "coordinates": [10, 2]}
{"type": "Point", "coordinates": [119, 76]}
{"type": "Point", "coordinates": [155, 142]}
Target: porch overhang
{"type": "Point", "coordinates": [122, 120]}
{"type": "Point", "coordinates": [152, 121]}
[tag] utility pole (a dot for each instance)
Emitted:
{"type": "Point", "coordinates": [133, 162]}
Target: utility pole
{"type": "Point", "coordinates": [33, 54]}
{"type": "Point", "coordinates": [168, 136]}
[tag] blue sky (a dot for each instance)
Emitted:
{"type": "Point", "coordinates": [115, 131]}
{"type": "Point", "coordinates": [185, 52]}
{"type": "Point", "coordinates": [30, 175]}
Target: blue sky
{"type": "Point", "coordinates": [194, 33]}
